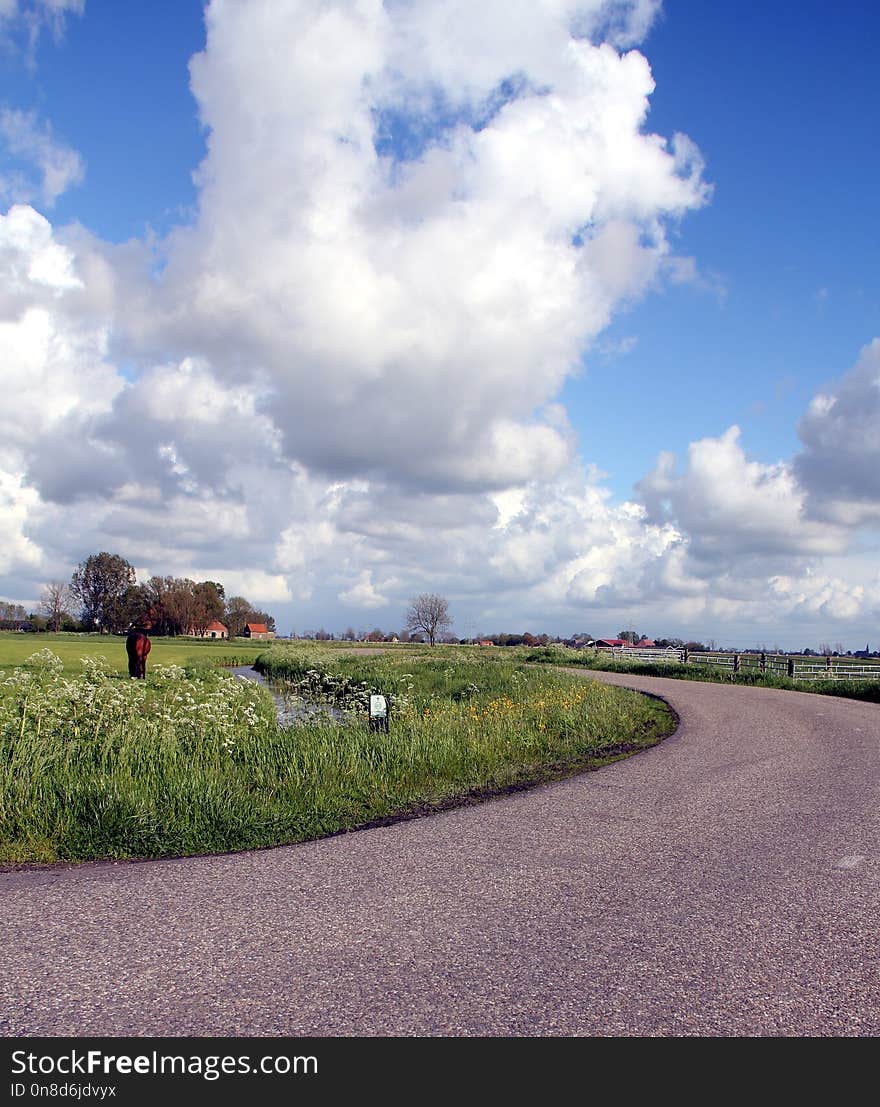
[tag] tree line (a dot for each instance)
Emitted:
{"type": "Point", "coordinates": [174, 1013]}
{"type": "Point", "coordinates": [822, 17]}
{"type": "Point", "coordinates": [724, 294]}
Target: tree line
{"type": "Point", "coordinates": [103, 595]}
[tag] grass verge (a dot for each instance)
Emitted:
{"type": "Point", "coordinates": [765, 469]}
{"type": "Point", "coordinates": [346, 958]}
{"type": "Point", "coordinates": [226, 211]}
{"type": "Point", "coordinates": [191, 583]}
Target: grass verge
{"type": "Point", "coordinates": [93, 766]}
{"type": "Point", "coordinates": [868, 690]}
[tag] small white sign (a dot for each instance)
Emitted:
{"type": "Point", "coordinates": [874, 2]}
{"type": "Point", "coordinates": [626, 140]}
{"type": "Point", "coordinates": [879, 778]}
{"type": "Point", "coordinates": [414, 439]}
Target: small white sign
{"type": "Point", "coordinates": [378, 707]}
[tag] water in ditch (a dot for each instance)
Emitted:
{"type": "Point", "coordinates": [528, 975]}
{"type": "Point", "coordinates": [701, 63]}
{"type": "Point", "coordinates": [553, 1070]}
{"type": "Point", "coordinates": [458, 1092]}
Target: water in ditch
{"type": "Point", "coordinates": [290, 708]}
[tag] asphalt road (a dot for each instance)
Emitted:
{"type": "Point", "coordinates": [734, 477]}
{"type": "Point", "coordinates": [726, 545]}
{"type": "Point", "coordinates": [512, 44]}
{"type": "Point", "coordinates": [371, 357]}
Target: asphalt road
{"type": "Point", "coordinates": [726, 882]}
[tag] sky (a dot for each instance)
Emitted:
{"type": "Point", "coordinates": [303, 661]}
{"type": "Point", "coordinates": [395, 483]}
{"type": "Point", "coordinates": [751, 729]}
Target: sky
{"type": "Point", "coordinates": [567, 310]}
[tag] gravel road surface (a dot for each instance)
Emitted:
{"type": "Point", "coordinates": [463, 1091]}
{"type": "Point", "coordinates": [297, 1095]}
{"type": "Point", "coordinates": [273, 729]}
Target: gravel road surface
{"type": "Point", "coordinates": [726, 882]}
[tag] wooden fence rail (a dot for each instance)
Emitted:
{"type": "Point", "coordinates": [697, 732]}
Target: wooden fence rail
{"type": "Point", "coordinates": [794, 667]}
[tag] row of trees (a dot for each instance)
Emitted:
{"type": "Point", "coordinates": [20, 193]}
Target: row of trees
{"type": "Point", "coordinates": [427, 620]}
{"type": "Point", "coordinates": [11, 614]}
{"type": "Point", "coordinates": [104, 593]}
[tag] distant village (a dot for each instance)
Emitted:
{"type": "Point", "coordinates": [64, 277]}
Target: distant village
{"type": "Point", "coordinates": [623, 640]}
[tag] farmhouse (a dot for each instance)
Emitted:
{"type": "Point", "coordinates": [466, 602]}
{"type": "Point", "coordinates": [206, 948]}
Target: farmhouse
{"type": "Point", "coordinates": [257, 630]}
{"type": "Point", "coordinates": [612, 643]}
{"type": "Point", "coordinates": [213, 630]}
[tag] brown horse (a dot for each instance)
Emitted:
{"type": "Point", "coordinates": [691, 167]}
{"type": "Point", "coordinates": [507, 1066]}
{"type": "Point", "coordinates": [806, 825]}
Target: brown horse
{"type": "Point", "coordinates": [137, 646]}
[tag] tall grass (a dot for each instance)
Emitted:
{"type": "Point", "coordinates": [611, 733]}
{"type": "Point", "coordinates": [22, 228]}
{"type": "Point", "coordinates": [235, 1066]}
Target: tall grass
{"type": "Point", "coordinates": [95, 766]}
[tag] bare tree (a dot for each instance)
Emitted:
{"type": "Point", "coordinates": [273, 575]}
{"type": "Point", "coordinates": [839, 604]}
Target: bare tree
{"type": "Point", "coordinates": [56, 601]}
{"type": "Point", "coordinates": [428, 613]}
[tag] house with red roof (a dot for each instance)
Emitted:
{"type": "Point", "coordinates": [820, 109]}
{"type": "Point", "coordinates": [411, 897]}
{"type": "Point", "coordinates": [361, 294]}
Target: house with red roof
{"type": "Point", "coordinates": [215, 629]}
{"type": "Point", "coordinates": [257, 630]}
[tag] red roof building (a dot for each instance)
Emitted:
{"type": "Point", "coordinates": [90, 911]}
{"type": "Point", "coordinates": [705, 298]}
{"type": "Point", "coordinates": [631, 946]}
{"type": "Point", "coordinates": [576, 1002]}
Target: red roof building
{"type": "Point", "coordinates": [214, 629]}
{"type": "Point", "coordinates": [257, 630]}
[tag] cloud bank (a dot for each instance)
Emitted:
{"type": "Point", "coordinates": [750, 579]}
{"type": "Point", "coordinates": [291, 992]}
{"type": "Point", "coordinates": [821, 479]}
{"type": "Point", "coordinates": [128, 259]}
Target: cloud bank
{"type": "Point", "coordinates": [338, 386]}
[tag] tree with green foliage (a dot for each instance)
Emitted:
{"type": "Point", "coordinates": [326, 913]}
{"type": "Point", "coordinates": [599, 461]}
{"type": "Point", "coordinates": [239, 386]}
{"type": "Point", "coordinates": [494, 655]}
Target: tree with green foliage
{"type": "Point", "coordinates": [99, 584]}
{"type": "Point", "coordinates": [209, 603]}
{"type": "Point", "coordinates": [240, 612]}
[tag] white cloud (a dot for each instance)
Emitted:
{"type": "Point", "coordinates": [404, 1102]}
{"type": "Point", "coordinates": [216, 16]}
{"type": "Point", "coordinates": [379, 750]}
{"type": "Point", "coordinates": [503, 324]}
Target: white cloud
{"type": "Point", "coordinates": [413, 316]}
{"type": "Point", "coordinates": [32, 141]}
{"type": "Point", "coordinates": [17, 550]}
{"type": "Point", "coordinates": [31, 260]}
{"type": "Point", "coordinates": [839, 465]}
{"type": "Point", "coordinates": [734, 507]}
{"type": "Point", "coordinates": [817, 594]}
{"type": "Point", "coordinates": [33, 15]}
{"type": "Point", "coordinates": [362, 593]}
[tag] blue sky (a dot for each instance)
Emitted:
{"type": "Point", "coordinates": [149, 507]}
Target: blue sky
{"type": "Point", "coordinates": [763, 295]}
{"type": "Point", "coordinates": [116, 88]}
{"type": "Point", "coordinates": [782, 102]}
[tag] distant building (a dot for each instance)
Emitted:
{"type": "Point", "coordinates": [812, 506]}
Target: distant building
{"type": "Point", "coordinates": [213, 630]}
{"type": "Point", "coordinates": [257, 630]}
{"type": "Point", "coordinates": [612, 643]}
{"type": "Point", "coordinates": [646, 644]}
{"type": "Point", "coordinates": [486, 642]}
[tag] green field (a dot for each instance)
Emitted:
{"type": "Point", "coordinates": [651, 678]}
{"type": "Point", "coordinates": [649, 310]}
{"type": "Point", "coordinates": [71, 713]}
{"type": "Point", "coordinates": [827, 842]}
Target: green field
{"type": "Point", "coordinates": [193, 760]}
{"type": "Point", "coordinates": [71, 648]}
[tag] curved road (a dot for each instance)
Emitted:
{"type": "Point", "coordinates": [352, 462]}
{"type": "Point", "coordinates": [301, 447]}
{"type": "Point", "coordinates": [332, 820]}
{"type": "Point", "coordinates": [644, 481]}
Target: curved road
{"type": "Point", "coordinates": [724, 882]}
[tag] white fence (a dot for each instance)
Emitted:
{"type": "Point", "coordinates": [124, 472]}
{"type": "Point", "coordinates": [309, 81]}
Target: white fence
{"type": "Point", "coordinates": [794, 667]}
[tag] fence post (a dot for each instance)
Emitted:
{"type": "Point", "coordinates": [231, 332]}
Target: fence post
{"type": "Point", "coordinates": [829, 664]}
{"type": "Point", "coordinates": [791, 667]}
{"type": "Point", "coordinates": [763, 662]}
{"type": "Point", "coordinates": [736, 662]}
{"type": "Point", "coordinates": [684, 656]}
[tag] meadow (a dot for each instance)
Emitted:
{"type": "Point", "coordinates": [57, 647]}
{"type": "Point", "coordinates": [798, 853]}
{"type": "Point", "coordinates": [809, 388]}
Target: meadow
{"type": "Point", "coordinates": [15, 649]}
{"type": "Point", "coordinates": [193, 760]}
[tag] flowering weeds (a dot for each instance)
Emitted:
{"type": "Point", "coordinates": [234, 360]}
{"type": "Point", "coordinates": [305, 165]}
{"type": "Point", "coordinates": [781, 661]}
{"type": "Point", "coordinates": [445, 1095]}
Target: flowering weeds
{"type": "Point", "coordinates": [94, 765]}
{"type": "Point", "coordinates": [40, 701]}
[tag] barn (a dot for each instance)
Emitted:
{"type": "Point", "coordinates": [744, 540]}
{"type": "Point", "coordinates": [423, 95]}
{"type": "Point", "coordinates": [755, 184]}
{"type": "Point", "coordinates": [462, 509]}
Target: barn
{"type": "Point", "coordinates": [257, 630]}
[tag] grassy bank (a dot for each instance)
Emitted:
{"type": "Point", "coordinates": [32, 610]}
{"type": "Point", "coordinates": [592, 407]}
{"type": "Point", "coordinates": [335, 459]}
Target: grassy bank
{"type": "Point", "coordinates": [93, 766]}
{"type": "Point", "coordinates": [868, 690]}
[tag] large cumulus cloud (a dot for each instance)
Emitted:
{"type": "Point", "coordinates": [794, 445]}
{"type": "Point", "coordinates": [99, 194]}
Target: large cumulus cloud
{"type": "Point", "coordinates": [415, 300]}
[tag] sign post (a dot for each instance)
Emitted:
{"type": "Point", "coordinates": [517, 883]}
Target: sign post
{"type": "Point", "coordinates": [378, 713]}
